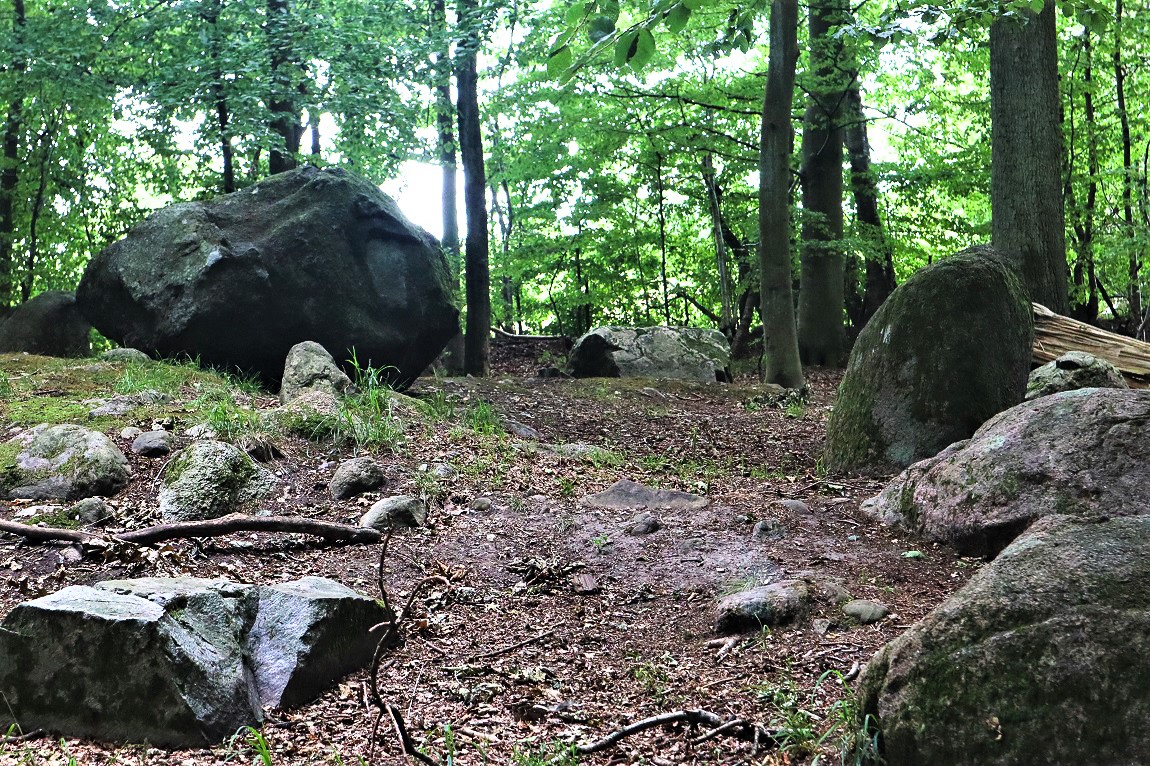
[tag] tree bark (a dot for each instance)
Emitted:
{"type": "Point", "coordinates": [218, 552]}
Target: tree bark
{"type": "Point", "coordinates": [726, 321]}
{"type": "Point", "coordinates": [1133, 290]}
{"type": "Point", "coordinates": [10, 172]}
{"type": "Point", "coordinates": [821, 298]}
{"type": "Point", "coordinates": [285, 121]}
{"type": "Point", "coordinates": [1026, 150]}
{"type": "Point", "coordinates": [210, 12]}
{"type": "Point", "coordinates": [780, 339]}
{"type": "Point", "coordinates": [477, 340]}
{"type": "Point", "coordinates": [662, 211]}
{"type": "Point", "coordinates": [1084, 267]}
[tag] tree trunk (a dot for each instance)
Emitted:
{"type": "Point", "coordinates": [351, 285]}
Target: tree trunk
{"type": "Point", "coordinates": [879, 268]}
{"type": "Point", "coordinates": [10, 172]}
{"type": "Point", "coordinates": [780, 339]}
{"type": "Point", "coordinates": [1084, 267]}
{"type": "Point", "coordinates": [821, 299]}
{"type": "Point", "coordinates": [285, 121]}
{"type": "Point", "coordinates": [445, 126]}
{"type": "Point", "coordinates": [662, 210]}
{"type": "Point", "coordinates": [1026, 151]}
{"type": "Point", "coordinates": [726, 320]}
{"type": "Point", "coordinates": [477, 340]}
{"type": "Point", "coordinates": [210, 12]}
{"type": "Point", "coordinates": [1133, 290]}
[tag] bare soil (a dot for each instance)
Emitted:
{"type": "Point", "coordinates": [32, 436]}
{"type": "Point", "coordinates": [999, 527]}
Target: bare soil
{"type": "Point", "coordinates": [507, 661]}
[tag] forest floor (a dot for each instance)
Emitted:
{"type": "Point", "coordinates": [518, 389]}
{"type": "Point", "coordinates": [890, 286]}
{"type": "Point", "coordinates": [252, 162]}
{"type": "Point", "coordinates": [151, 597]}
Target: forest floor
{"type": "Point", "coordinates": [499, 670]}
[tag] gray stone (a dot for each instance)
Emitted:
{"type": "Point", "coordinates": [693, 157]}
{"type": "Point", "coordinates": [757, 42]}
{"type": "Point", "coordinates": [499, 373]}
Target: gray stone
{"type": "Point", "coordinates": [130, 432]}
{"type": "Point", "coordinates": [66, 462]}
{"type": "Point", "coordinates": [794, 506]}
{"type": "Point", "coordinates": [398, 511]}
{"type": "Point", "coordinates": [201, 431]}
{"type": "Point", "coordinates": [579, 450]}
{"type": "Point", "coordinates": [948, 350]}
{"type": "Point", "coordinates": [91, 510]}
{"type": "Point", "coordinates": [833, 592]}
{"type": "Point", "coordinates": [627, 495]}
{"type": "Point", "coordinates": [311, 254]}
{"type": "Point", "coordinates": [677, 353]}
{"type": "Point", "coordinates": [864, 611]}
{"type": "Point", "coordinates": [1039, 659]}
{"type": "Point", "coordinates": [49, 324]}
{"type": "Point", "coordinates": [153, 444]}
{"type": "Point", "coordinates": [309, 367]}
{"type": "Point", "coordinates": [1072, 370]}
{"type": "Point", "coordinates": [90, 662]}
{"type": "Point", "coordinates": [1083, 452]}
{"type": "Point", "coordinates": [480, 504]}
{"type": "Point", "coordinates": [521, 431]}
{"type": "Point", "coordinates": [762, 606]}
{"type": "Point", "coordinates": [131, 355]}
{"type": "Point", "coordinates": [768, 529]}
{"type": "Point", "coordinates": [644, 523]}
{"type": "Point", "coordinates": [259, 448]}
{"type": "Point", "coordinates": [307, 634]}
{"type": "Point", "coordinates": [356, 476]}
{"type": "Point", "coordinates": [210, 479]}
{"type": "Point", "coordinates": [122, 404]}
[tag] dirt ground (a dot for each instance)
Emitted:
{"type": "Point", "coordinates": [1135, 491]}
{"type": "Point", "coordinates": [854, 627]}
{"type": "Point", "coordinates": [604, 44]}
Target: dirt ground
{"type": "Point", "coordinates": [506, 663]}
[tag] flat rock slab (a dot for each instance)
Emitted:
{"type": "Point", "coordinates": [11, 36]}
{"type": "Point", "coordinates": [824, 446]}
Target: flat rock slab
{"type": "Point", "coordinates": [178, 662]}
{"type": "Point", "coordinates": [677, 353]}
{"type": "Point", "coordinates": [763, 606]}
{"type": "Point", "coordinates": [627, 495]}
{"type": "Point", "coordinates": [1040, 659]}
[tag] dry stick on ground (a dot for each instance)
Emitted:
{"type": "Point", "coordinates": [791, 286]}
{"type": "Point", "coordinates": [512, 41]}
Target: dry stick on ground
{"type": "Point", "coordinates": [226, 525]}
{"type": "Point", "coordinates": [513, 647]}
{"type": "Point", "coordinates": [387, 640]}
{"type": "Point", "coordinates": [739, 729]}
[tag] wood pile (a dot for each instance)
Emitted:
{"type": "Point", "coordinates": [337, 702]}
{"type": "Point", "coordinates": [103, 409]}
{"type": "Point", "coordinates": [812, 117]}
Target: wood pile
{"type": "Point", "coordinates": [1055, 334]}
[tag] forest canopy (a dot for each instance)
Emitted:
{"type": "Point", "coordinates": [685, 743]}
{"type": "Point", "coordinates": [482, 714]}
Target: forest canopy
{"type": "Point", "coordinates": [621, 140]}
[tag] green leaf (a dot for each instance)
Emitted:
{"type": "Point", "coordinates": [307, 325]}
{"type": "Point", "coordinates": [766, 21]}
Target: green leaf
{"type": "Point", "coordinates": [912, 554]}
{"type": "Point", "coordinates": [601, 27]}
{"type": "Point", "coordinates": [559, 61]}
{"type": "Point", "coordinates": [577, 12]}
{"type": "Point", "coordinates": [644, 50]}
{"type": "Point", "coordinates": [610, 9]}
{"type": "Point", "coordinates": [676, 18]}
{"type": "Point", "coordinates": [625, 47]}
{"type": "Point", "coordinates": [694, 5]}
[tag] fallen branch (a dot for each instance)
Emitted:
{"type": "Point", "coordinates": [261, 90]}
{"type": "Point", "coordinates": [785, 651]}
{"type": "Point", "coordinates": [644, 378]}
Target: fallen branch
{"type": "Point", "coordinates": [226, 525]}
{"type": "Point", "coordinates": [498, 333]}
{"type": "Point", "coordinates": [1054, 335]}
{"type": "Point", "coordinates": [513, 647]}
{"type": "Point", "coordinates": [739, 729]}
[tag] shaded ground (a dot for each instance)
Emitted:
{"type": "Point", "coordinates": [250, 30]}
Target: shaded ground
{"type": "Point", "coordinates": [582, 665]}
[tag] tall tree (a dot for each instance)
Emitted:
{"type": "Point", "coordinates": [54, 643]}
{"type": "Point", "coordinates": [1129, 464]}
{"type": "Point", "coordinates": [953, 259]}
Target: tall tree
{"type": "Point", "coordinates": [285, 117]}
{"type": "Point", "coordinates": [821, 301]}
{"type": "Point", "coordinates": [1026, 152]}
{"type": "Point", "coordinates": [10, 171]}
{"type": "Point", "coordinates": [780, 338]}
{"type": "Point", "coordinates": [1133, 291]}
{"type": "Point", "coordinates": [478, 274]}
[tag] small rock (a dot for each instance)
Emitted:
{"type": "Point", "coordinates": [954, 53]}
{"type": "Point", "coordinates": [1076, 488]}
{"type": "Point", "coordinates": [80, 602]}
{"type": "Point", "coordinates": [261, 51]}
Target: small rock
{"type": "Point", "coordinates": [153, 444]}
{"type": "Point", "coordinates": [309, 367]}
{"type": "Point", "coordinates": [443, 471]}
{"type": "Point", "coordinates": [520, 430]}
{"type": "Point", "coordinates": [765, 605]}
{"type": "Point", "coordinates": [401, 510]}
{"type": "Point", "coordinates": [71, 555]}
{"type": "Point", "coordinates": [549, 372]}
{"type": "Point", "coordinates": [865, 612]}
{"type": "Point", "coordinates": [794, 506]}
{"type": "Point", "coordinates": [125, 355]}
{"type": "Point", "coordinates": [201, 431]}
{"type": "Point", "coordinates": [643, 524]}
{"type": "Point", "coordinates": [627, 495]}
{"type": "Point", "coordinates": [356, 476]}
{"type": "Point", "coordinates": [768, 529]}
{"type": "Point", "coordinates": [122, 404]}
{"type": "Point", "coordinates": [584, 584]}
{"type": "Point", "coordinates": [481, 504]}
{"type": "Point", "coordinates": [131, 432]}
{"type": "Point", "coordinates": [821, 626]}
{"type": "Point", "coordinates": [91, 510]}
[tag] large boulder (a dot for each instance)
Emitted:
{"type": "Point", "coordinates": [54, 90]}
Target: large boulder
{"type": "Point", "coordinates": [49, 324]}
{"type": "Point", "coordinates": [1074, 369]}
{"type": "Point", "coordinates": [1084, 452]}
{"type": "Point", "coordinates": [1039, 659]}
{"type": "Point", "coordinates": [177, 662]}
{"type": "Point", "coordinates": [947, 350]}
{"type": "Point", "coordinates": [209, 479]}
{"type": "Point", "coordinates": [311, 254]}
{"type": "Point", "coordinates": [65, 462]}
{"type": "Point", "coordinates": [678, 353]}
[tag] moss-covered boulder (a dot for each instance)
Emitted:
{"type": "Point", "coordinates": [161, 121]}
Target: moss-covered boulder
{"type": "Point", "coordinates": [1040, 659]}
{"type": "Point", "coordinates": [1084, 452]}
{"type": "Point", "coordinates": [676, 353]}
{"type": "Point", "coordinates": [949, 349]}
{"type": "Point", "coordinates": [65, 462]}
{"type": "Point", "coordinates": [50, 325]}
{"type": "Point", "coordinates": [210, 479]}
{"type": "Point", "coordinates": [1072, 370]}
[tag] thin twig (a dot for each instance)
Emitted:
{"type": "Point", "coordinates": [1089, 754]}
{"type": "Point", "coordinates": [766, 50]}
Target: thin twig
{"type": "Point", "coordinates": [718, 730]}
{"type": "Point", "coordinates": [743, 730]}
{"type": "Point", "coordinates": [513, 647]}
{"type": "Point", "coordinates": [405, 741]}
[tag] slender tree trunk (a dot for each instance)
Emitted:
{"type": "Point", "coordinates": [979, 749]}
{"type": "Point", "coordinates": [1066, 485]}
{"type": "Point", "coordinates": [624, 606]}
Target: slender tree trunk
{"type": "Point", "coordinates": [1084, 269]}
{"type": "Point", "coordinates": [821, 299]}
{"type": "Point", "coordinates": [780, 338]}
{"type": "Point", "coordinates": [662, 201]}
{"type": "Point", "coordinates": [211, 15]}
{"type": "Point", "coordinates": [445, 126]}
{"type": "Point", "coordinates": [478, 284]}
{"type": "Point", "coordinates": [1133, 290]}
{"type": "Point", "coordinates": [47, 144]}
{"type": "Point", "coordinates": [1026, 149]}
{"type": "Point", "coordinates": [285, 120]}
{"type": "Point", "coordinates": [726, 320]}
{"type": "Point", "coordinates": [879, 268]}
{"type": "Point", "coordinates": [10, 171]}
